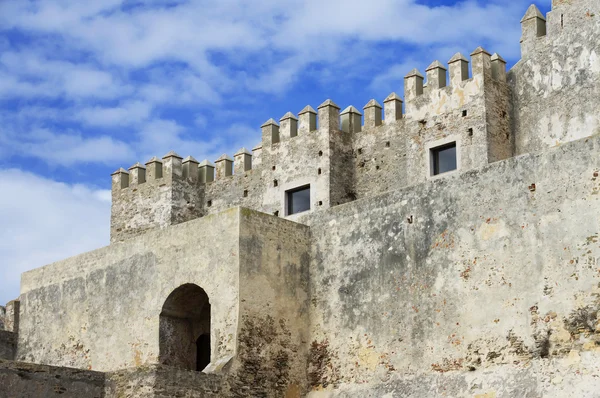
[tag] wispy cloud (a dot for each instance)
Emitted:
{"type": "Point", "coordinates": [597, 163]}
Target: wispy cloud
{"type": "Point", "coordinates": [116, 65]}
{"type": "Point", "coordinates": [107, 83]}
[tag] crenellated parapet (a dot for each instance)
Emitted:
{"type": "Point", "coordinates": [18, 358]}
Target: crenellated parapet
{"type": "Point", "coordinates": [464, 103]}
{"type": "Point", "coordinates": [567, 17]}
{"type": "Point", "coordinates": [155, 195]}
{"type": "Point", "coordinates": [324, 150]}
{"type": "Point", "coordinates": [465, 106]}
{"type": "Point", "coordinates": [556, 84]}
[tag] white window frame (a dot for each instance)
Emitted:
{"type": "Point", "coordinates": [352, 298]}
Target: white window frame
{"type": "Point", "coordinates": [429, 147]}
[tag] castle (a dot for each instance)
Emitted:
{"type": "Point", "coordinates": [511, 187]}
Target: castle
{"type": "Point", "coordinates": [444, 245]}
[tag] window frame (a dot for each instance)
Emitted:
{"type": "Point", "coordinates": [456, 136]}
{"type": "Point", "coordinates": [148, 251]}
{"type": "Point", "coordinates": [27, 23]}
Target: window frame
{"type": "Point", "coordinates": [289, 202]}
{"type": "Point", "coordinates": [440, 144]}
{"type": "Point", "coordinates": [434, 153]}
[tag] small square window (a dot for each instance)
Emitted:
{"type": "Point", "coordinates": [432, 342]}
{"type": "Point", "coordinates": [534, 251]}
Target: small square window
{"type": "Point", "coordinates": [298, 200]}
{"type": "Point", "coordinates": [443, 159]}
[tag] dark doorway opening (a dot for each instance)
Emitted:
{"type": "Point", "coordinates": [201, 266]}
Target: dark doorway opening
{"type": "Point", "coordinates": [185, 329]}
{"type": "Point", "coordinates": [202, 351]}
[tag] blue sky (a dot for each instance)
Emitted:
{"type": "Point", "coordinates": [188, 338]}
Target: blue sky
{"type": "Point", "coordinates": [90, 86]}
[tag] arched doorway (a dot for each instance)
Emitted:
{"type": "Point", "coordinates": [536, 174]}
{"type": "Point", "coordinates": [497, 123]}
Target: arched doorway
{"type": "Point", "coordinates": [185, 329]}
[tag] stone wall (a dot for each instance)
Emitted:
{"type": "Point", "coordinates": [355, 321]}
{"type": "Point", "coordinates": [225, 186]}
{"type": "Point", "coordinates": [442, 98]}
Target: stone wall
{"type": "Point", "coordinates": [340, 162]}
{"type": "Point", "coordinates": [25, 380]}
{"type": "Point", "coordinates": [253, 266]}
{"type": "Point", "coordinates": [481, 275]}
{"type": "Point", "coordinates": [471, 111]}
{"type": "Point", "coordinates": [556, 84]}
{"type": "Point", "coordinates": [274, 308]}
{"type": "Point", "coordinates": [12, 316]}
{"type": "Point", "coordinates": [569, 377]}
{"type": "Point", "coordinates": [8, 345]}
{"type": "Point", "coordinates": [110, 300]}
{"type": "Point", "coordinates": [162, 382]}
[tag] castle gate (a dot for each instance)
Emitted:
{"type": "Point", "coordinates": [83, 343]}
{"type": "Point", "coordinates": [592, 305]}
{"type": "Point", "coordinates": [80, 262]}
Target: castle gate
{"type": "Point", "coordinates": [185, 328]}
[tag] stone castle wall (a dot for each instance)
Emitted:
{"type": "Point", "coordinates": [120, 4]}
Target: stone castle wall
{"type": "Point", "coordinates": [481, 282]}
{"type": "Point", "coordinates": [109, 300]}
{"type": "Point", "coordinates": [341, 158]}
{"type": "Point", "coordinates": [556, 84]}
{"type": "Point", "coordinates": [25, 380]}
{"type": "Point", "coordinates": [253, 266]}
{"type": "Point", "coordinates": [480, 273]}
{"type": "Point", "coordinates": [8, 345]}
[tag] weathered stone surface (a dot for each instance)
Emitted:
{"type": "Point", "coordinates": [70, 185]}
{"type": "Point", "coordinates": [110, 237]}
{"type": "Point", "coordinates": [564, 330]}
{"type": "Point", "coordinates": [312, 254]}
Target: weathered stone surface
{"type": "Point", "coordinates": [162, 382]}
{"type": "Point", "coordinates": [253, 267]}
{"type": "Point", "coordinates": [556, 85]}
{"type": "Point", "coordinates": [25, 380]}
{"type": "Point", "coordinates": [486, 272]}
{"type": "Point", "coordinates": [542, 378]}
{"type": "Point", "coordinates": [8, 345]}
{"type": "Point", "coordinates": [12, 316]}
{"type": "Point", "coordinates": [479, 282]}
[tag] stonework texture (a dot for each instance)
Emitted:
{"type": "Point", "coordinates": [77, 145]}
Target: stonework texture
{"type": "Point", "coordinates": [8, 345]}
{"type": "Point", "coordinates": [25, 380]}
{"type": "Point", "coordinates": [480, 282]}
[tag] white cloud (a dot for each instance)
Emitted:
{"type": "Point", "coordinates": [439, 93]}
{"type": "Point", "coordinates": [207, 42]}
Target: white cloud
{"type": "Point", "coordinates": [105, 81]}
{"type": "Point", "coordinates": [68, 149]}
{"type": "Point", "coordinates": [395, 73]}
{"type": "Point", "coordinates": [128, 113]}
{"type": "Point", "coordinates": [42, 223]}
{"type": "Point", "coordinates": [284, 36]}
{"type": "Point", "coordinates": [33, 72]}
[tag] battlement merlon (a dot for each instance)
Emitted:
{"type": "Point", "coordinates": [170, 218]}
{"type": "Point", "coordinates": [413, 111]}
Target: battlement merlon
{"type": "Point", "coordinates": [351, 120]}
{"type": "Point", "coordinates": [533, 27]}
{"type": "Point", "coordinates": [224, 166]}
{"type": "Point", "coordinates": [206, 171]}
{"type": "Point", "coordinates": [242, 161]}
{"type": "Point", "coordinates": [12, 313]}
{"type": "Point", "coordinates": [288, 126]}
{"type": "Point", "coordinates": [459, 69]}
{"type": "Point", "coordinates": [137, 174]}
{"type": "Point", "coordinates": [436, 75]}
{"type": "Point", "coordinates": [270, 133]}
{"type": "Point", "coordinates": [329, 116]}
{"type": "Point", "coordinates": [392, 108]}
{"type": "Point", "coordinates": [373, 114]}
{"type": "Point", "coordinates": [307, 120]}
{"type": "Point", "coordinates": [498, 68]}
{"type": "Point", "coordinates": [190, 168]}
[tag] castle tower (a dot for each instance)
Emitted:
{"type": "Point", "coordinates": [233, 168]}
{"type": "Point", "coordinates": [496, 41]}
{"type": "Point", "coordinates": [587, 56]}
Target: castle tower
{"type": "Point", "coordinates": [556, 85]}
{"type": "Point", "coordinates": [162, 193]}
